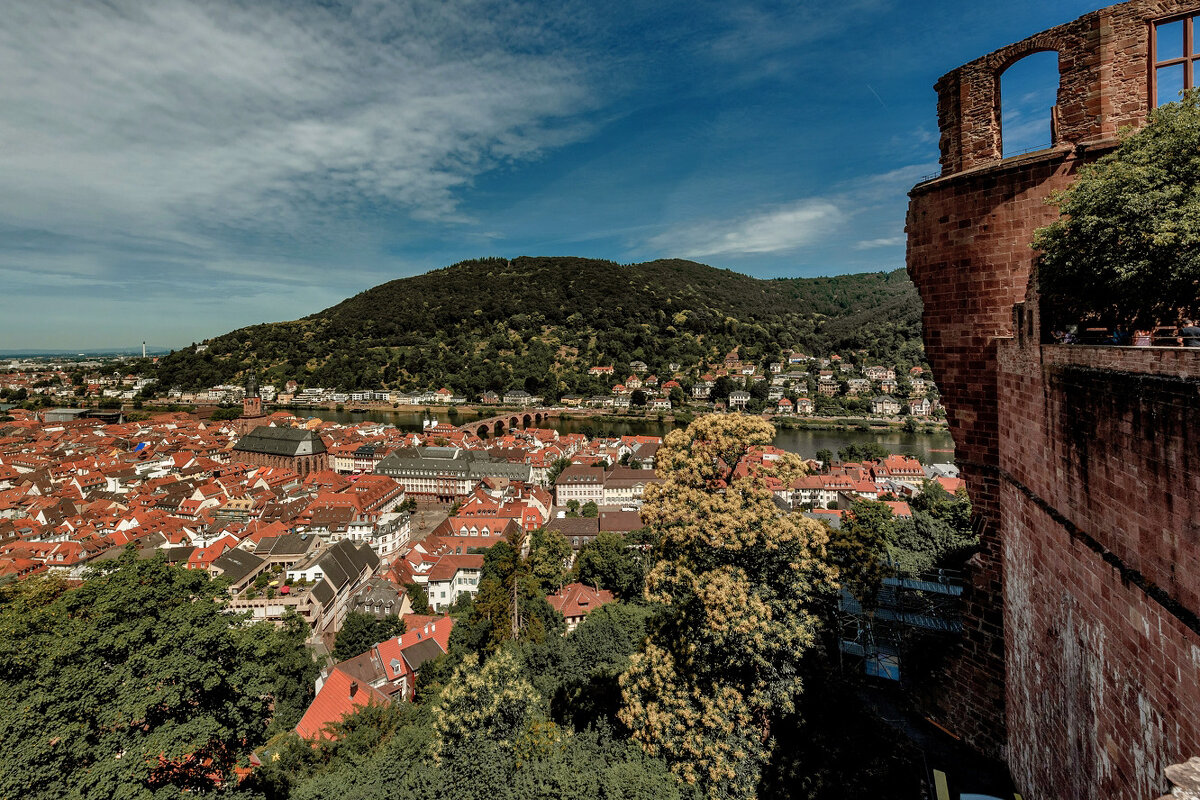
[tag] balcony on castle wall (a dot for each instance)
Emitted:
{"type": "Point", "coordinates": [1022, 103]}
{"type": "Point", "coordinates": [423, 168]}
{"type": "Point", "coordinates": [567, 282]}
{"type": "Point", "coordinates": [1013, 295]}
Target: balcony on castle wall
{"type": "Point", "coordinates": [1177, 362]}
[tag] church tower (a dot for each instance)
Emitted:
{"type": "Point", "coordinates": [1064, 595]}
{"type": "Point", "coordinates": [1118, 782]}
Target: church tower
{"type": "Point", "coordinates": [252, 403]}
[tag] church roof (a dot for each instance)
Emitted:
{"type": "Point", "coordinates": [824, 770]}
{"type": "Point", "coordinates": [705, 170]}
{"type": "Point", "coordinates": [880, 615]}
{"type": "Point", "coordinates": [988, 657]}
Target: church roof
{"type": "Point", "coordinates": [280, 442]}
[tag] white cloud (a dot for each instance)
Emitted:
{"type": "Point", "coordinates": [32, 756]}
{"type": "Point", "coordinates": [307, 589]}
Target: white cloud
{"type": "Point", "coordinates": [886, 241]}
{"type": "Point", "coordinates": [186, 120]}
{"type": "Point", "coordinates": [772, 231]}
{"type": "Point", "coordinates": [873, 203]}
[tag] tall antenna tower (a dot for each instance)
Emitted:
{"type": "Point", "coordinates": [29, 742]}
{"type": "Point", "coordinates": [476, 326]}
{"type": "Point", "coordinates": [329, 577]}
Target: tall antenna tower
{"type": "Point", "coordinates": [143, 349]}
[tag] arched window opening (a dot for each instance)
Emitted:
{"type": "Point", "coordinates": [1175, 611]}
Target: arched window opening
{"type": "Point", "coordinates": [1028, 96]}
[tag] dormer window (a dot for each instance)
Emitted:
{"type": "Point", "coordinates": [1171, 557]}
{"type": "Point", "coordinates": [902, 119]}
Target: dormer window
{"type": "Point", "coordinates": [1174, 55]}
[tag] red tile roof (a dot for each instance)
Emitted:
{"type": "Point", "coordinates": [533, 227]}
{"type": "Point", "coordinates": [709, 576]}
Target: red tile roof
{"type": "Point", "coordinates": [577, 600]}
{"type": "Point", "coordinates": [340, 695]}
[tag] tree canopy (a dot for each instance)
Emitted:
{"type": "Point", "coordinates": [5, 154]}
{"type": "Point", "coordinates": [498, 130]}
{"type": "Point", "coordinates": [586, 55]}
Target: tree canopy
{"type": "Point", "coordinates": [1127, 246]}
{"type": "Point", "coordinates": [360, 631]}
{"type": "Point", "coordinates": [137, 682]}
{"type": "Point", "coordinates": [540, 323]}
{"type": "Point", "coordinates": [739, 582]}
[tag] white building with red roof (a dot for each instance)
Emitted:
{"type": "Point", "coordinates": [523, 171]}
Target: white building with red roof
{"type": "Point", "coordinates": [575, 601]}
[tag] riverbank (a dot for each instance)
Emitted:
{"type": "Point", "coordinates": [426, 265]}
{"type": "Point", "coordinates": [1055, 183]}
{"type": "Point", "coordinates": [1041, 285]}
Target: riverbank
{"type": "Point", "coordinates": [464, 415]}
{"type": "Point", "coordinates": [781, 423]}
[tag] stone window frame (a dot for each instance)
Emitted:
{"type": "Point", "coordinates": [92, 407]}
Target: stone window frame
{"type": "Point", "coordinates": [1189, 58]}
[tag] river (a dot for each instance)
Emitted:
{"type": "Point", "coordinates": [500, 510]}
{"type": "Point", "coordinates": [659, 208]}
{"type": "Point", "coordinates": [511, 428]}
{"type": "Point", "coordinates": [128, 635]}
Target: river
{"type": "Point", "coordinates": [930, 448]}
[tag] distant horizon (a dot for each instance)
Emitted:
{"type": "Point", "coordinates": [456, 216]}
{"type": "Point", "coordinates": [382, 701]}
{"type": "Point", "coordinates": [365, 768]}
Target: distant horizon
{"type": "Point", "coordinates": [197, 167]}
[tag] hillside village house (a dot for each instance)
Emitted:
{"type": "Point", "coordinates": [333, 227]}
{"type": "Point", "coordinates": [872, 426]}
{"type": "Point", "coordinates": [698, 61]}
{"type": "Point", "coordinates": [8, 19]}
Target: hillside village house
{"type": "Point", "coordinates": [579, 483]}
{"type": "Point", "coordinates": [445, 474]}
{"type": "Point", "coordinates": [575, 601]}
{"type": "Point", "coordinates": [385, 673]}
{"type": "Point", "coordinates": [619, 486]}
{"type": "Point", "coordinates": [452, 576]}
{"type": "Point", "coordinates": [885, 405]}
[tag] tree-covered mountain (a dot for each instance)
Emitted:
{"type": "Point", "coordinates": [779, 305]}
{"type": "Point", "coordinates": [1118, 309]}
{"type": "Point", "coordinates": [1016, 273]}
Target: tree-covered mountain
{"type": "Point", "coordinates": [540, 323]}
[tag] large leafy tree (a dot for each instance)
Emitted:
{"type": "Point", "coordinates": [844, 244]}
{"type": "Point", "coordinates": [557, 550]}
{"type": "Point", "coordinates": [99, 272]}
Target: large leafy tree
{"type": "Point", "coordinates": [607, 562]}
{"type": "Point", "coordinates": [740, 582]}
{"type": "Point", "coordinates": [511, 602]}
{"type": "Point", "coordinates": [360, 631]}
{"type": "Point", "coordinates": [859, 548]}
{"type": "Point", "coordinates": [549, 553]}
{"type": "Point", "coordinates": [1127, 247]}
{"type": "Point", "coordinates": [135, 682]}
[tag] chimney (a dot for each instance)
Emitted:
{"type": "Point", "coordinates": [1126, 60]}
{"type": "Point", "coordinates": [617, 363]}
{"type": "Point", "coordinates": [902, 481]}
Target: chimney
{"type": "Point", "coordinates": [353, 688]}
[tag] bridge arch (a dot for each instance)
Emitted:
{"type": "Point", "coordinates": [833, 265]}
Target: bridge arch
{"type": "Point", "coordinates": [537, 418]}
{"type": "Point", "coordinates": [498, 428]}
{"type": "Point", "coordinates": [513, 423]}
{"type": "Point", "coordinates": [482, 431]}
{"type": "Point", "coordinates": [526, 421]}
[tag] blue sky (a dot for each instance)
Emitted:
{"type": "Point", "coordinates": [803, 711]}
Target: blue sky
{"type": "Point", "coordinates": [172, 170]}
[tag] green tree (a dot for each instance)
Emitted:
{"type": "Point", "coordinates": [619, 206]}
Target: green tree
{"type": "Point", "coordinates": [590, 510]}
{"type": "Point", "coordinates": [418, 597]}
{"type": "Point", "coordinates": [222, 414]}
{"type": "Point", "coordinates": [869, 451]}
{"type": "Point", "coordinates": [595, 655]}
{"type": "Point", "coordinates": [556, 469]}
{"type": "Point", "coordinates": [361, 631]}
{"type": "Point", "coordinates": [135, 682]}
{"type": "Point", "coordinates": [1127, 246]}
{"type": "Point", "coordinates": [492, 702]}
{"type": "Point", "coordinates": [293, 671]}
{"type": "Point", "coordinates": [511, 603]}
{"type": "Point", "coordinates": [859, 548]}
{"type": "Point", "coordinates": [954, 509]}
{"type": "Point", "coordinates": [549, 552]}
{"type": "Point", "coordinates": [608, 563]}
{"type": "Point", "coordinates": [825, 456]}
{"type": "Point", "coordinates": [740, 582]}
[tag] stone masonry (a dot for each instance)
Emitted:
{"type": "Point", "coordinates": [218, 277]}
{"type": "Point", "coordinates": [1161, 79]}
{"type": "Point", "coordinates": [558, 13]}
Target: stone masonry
{"type": "Point", "coordinates": [1081, 654]}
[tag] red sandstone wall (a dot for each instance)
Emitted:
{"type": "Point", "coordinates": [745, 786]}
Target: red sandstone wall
{"type": "Point", "coordinates": [1104, 66]}
{"type": "Point", "coordinates": [969, 254]}
{"type": "Point", "coordinates": [1101, 540]}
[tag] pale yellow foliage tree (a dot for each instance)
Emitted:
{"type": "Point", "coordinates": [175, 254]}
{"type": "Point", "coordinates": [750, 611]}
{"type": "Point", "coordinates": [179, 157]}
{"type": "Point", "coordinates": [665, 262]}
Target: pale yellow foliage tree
{"type": "Point", "coordinates": [740, 580]}
{"type": "Point", "coordinates": [494, 701]}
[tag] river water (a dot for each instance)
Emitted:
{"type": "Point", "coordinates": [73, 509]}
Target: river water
{"type": "Point", "coordinates": [930, 448]}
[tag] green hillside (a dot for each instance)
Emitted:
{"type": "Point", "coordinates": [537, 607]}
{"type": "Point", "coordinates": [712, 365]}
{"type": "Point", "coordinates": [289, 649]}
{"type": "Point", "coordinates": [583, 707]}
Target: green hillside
{"type": "Point", "coordinates": [541, 322]}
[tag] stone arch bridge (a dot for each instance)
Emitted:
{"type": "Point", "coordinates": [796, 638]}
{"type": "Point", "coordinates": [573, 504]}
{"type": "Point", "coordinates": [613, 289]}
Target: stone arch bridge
{"type": "Point", "coordinates": [511, 421]}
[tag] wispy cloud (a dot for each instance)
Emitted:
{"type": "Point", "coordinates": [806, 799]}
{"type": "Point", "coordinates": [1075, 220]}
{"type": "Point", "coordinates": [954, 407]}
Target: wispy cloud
{"type": "Point", "coordinates": [771, 231]}
{"type": "Point", "coordinates": [886, 241]}
{"type": "Point", "coordinates": [191, 120]}
{"type": "Point", "coordinates": [871, 203]}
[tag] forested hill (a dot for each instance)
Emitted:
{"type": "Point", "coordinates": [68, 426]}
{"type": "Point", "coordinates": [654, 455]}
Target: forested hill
{"type": "Point", "coordinates": [539, 323]}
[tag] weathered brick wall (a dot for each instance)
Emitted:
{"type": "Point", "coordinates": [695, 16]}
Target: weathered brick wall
{"type": "Point", "coordinates": [970, 256]}
{"type": "Point", "coordinates": [1100, 530]}
{"type": "Point", "coordinates": [1103, 87]}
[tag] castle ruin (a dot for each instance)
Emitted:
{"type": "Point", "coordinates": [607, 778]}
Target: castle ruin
{"type": "Point", "coordinates": [1080, 662]}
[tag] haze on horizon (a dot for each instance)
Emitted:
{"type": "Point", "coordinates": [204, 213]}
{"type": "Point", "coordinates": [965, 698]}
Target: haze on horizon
{"type": "Point", "coordinates": [171, 171]}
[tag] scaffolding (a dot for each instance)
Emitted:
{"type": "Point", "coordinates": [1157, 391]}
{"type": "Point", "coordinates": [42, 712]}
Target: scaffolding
{"type": "Point", "coordinates": [880, 637]}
